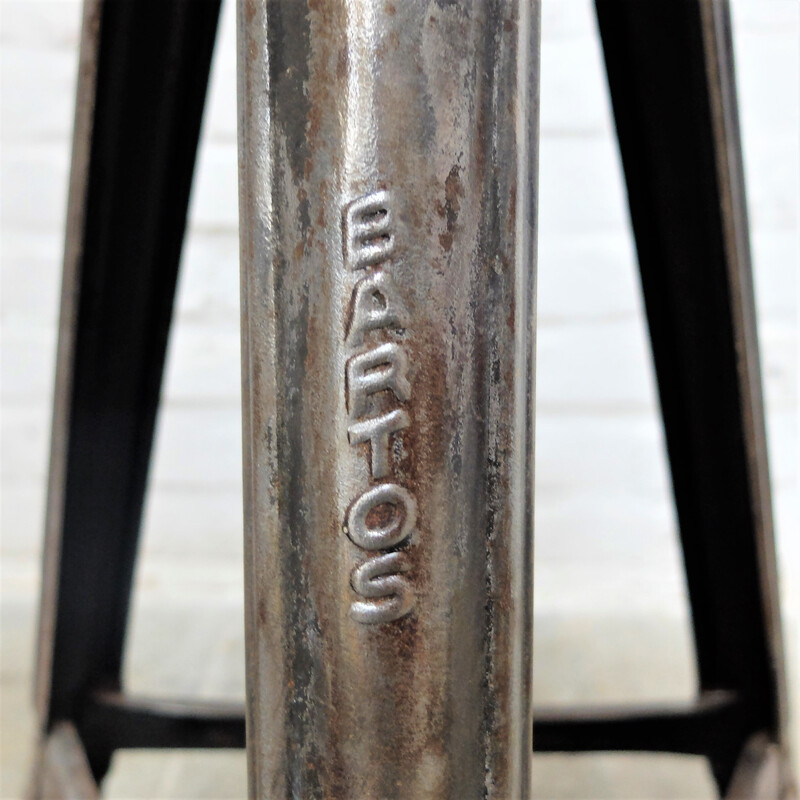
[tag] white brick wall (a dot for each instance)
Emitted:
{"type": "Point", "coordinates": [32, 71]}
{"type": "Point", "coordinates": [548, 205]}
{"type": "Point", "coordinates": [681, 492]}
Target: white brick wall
{"type": "Point", "coordinates": [605, 527]}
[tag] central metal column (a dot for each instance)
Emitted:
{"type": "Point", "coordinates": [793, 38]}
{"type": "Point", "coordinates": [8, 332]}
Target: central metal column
{"type": "Point", "coordinates": [388, 185]}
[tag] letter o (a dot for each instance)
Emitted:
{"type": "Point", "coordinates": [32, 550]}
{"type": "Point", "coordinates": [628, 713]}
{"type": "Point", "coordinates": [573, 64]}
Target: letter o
{"type": "Point", "coordinates": [390, 535]}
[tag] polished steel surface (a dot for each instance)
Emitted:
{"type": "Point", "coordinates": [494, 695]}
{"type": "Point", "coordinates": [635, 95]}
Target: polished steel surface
{"type": "Point", "coordinates": [387, 198]}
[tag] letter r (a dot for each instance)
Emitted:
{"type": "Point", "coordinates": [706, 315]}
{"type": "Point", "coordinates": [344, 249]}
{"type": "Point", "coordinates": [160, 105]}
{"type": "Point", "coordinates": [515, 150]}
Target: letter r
{"type": "Point", "coordinates": [382, 367]}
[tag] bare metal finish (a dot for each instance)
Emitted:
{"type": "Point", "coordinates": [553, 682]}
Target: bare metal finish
{"type": "Point", "coordinates": [387, 197]}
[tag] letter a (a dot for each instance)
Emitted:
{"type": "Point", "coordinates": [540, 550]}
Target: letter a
{"type": "Point", "coordinates": [376, 304]}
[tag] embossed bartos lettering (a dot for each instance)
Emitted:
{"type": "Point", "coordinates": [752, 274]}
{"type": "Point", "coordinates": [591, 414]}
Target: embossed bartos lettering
{"type": "Point", "coordinates": [377, 431]}
{"type": "Point", "coordinates": [377, 579]}
{"type": "Point", "coordinates": [382, 367]}
{"type": "Point", "coordinates": [384, 515]}
{"type": "Point", "coordinates": [376, 304]}
{"type": "Point", "coordinates": [368, 236]}
{"type": "Point", "coordinates": [382, 537]}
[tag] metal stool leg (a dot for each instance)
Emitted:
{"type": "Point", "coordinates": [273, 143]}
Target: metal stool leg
{"type": "Point", "coordinates": [388, 189]}
{"type": "Point", "coordinates": [670, 70]}
{"type": "Point", "coordinates": [143, 76]}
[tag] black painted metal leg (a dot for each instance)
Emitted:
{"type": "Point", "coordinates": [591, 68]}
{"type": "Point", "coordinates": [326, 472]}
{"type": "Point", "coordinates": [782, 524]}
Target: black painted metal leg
{"type": "Point", "coordinates": [670, 70]}
{"type": "Point", "coordinates": [144, 71]}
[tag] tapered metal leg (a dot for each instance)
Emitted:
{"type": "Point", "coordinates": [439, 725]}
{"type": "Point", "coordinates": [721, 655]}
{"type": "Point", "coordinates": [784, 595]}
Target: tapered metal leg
{"type": "Point", "coordinates": [388, 185]}
{"type": "Point", "coordinates": [143, 73]}
{"type": "Point", "coordinates": [670, 70]}
{"type": "Point", "coordinates": [62, 771]}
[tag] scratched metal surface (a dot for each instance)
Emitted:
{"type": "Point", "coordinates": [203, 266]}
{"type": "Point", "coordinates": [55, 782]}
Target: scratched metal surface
{"type": "Point", "coordinates": [387, 201]}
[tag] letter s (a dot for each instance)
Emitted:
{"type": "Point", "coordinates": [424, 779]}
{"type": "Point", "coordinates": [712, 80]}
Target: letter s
{"type": "Point", "coordinates": [381, 577]}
